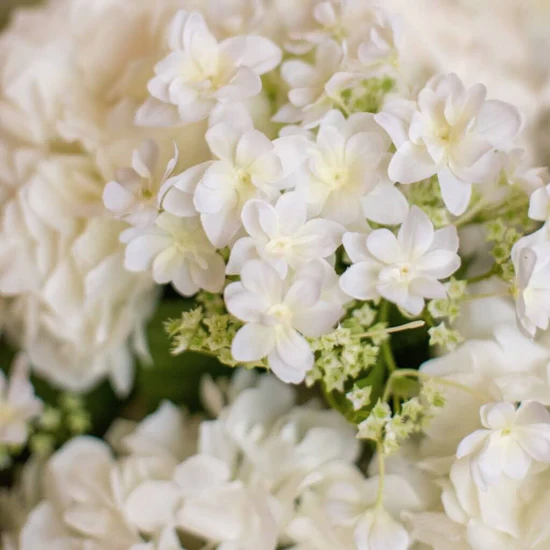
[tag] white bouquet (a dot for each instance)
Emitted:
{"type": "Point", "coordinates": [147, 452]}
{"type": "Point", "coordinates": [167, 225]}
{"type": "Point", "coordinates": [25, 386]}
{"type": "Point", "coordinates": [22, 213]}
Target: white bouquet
{"type": "Point", "coordinates": [298, 187]}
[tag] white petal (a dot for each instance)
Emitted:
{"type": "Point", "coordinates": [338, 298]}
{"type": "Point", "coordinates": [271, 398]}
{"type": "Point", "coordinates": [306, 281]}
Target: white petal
{"type": "Point", "coordinates": [456, 193]}
{"type": "Point", "coordinates": [244, 305]}
{"type": "Point", "coordinates": [539, 204]}
{"type": "Point", "coordinates": [411, 163]}
{"type": "Point", "coordinates": [497, 415]}
{"type": "Point", "coordinates": [152, 505]}
{"type": "Point", "coordinates": [472, 443]}
{"type": "Point", "coordinates": [243, 250]}
{"type": "Point", "coordinates": [222, 141]}
{"type": "Point", "coordinates": [383, 245]}
{"type": "Point", "coordinates": [356, 247]}
{"type": "Point", "coordinates": [260, 220]}
{"type": "Point", "coordinates": [256, 52]}
{"type": "Point", "coordinates": [140, 251]}
{"type": "Point", "coordinates": [359, 281]}
{"type": "Point", "coordinates": [261, 279]}
{"type": "Point", "coordinates": [252, 342]}
{"type": "Point", "coordinates": [211, 276]}
{"type": "Point", "coordinates": [252, 146]}
{"type": "Point", "coordinates": [385, 204]}
{"type": "Point", "coordinates": [499, 122]}
{"type": "Point", "coordinates": [221, 227]}
{"type": "Point", "coordinates": [199, 474]}
{"type": "Point", "coordinates": [291, 210]}
{"type": "Point", "coordinates": [117, 198]}
{"type": "Point", "coordinates": [416, 234]}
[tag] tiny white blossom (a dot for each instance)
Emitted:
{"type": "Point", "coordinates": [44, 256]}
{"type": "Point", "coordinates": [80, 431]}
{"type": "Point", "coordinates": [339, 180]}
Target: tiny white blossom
{"type": "Point", "coordinates": [134, 194]}
{"type": "Point", "coordinates": [309, 98]}
{"type": "Point", "coordinates": [179, 252]}
{"type": "Point", "coordinates": [247, 166]}
{"type": "Point", "coordinates": [282, 236]}
{"type": "Point", "coordinates": [345, 164]}
{"type": "Point", "coordinates": [200, 73]}
{"type": "Point", "coordinates": [512, 441]}
{"type": "Point", "coordinates": [531, 259]}
{"type": "Point", "coordinates": [403, 269]}
{"type": "Point", "coordinates": [277, 313]}
{"type": "Point", "coordinates": [359, 397]}
{"type": "Point", "coordinates": [450, 131]}
{"type": "Point", "coordinates": [18, 403]}
{"type": "Point", "coordinates": [381, 52]}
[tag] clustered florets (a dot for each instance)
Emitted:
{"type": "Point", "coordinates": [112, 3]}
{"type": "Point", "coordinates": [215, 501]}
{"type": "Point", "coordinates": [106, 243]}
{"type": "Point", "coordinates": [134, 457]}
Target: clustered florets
{"type": "Point", "coordinates": [326, 214]}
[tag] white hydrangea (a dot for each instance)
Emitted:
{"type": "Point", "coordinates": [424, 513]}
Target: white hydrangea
{"type": "Point", "coordinates": [511, 442]}
{"type": "Point", "coordinates": [283, 236]}
{"type": "Point", "coordinates": [403, 269]}
{"type": "Point", "coordinates": [200, 73]}
{"type": "Point", "coordinates": [239, 488]}
{"type": "Point", "coordinates": [178, 251]}
{"type": "Point", "coordinates": [450, 131]}
{"type": "Point", "coordinates": [278, 314]}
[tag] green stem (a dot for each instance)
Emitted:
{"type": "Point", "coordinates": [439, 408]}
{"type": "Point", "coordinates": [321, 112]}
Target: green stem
{"type": "Point", "coordinates": [487, 275]}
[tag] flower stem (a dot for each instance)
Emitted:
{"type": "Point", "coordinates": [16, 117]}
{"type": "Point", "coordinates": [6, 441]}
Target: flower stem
{"type": "Point", "coordinates": [487, 275]}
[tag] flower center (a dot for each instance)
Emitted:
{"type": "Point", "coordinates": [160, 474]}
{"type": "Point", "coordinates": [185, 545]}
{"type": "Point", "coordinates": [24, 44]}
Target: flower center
{"type": "Point", "coordinates": [244, 186]}
{"type": "Point", "coordinates": [279, 245]}
{"type": "Point", "coordinates": [281, 313]}
{"type": "Point", "coordinates": [338, 176]}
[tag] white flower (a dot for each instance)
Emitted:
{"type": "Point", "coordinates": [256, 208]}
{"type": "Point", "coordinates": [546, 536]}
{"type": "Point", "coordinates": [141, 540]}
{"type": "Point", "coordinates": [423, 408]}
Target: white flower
{"type": "Point", "coordinates": [200, 72]}
{"type": "Point", "coordinates": [344, 165]}
{"type": "Point", "coordinates": [83, 506]}
{"type": "Point", "coordinates": [403, 270]}
{"type": "Point", "coordinates": [248, 166]}
{"type": "Point", "coordinates": [282, 236]}
{"type": "Point", "coordinates": [381, 53]}
{"type": "Point", "coordinates": [277, 313]}
{"type": "Point", "coordinates": [179, 252]}
{"type": "Point", "coordinates": [539, 204]}
{"type": "Point", "coordinates": [134, 194]}
{"type": "Point", "coordinates": [513, 440]}
{"type": "Point", "coordinates": [452, 132]}
{"type": "Point", "coordinates": [347, 21]}
{"type": "Point", "coordinates": [531, 259]}
{"type": "Point", "coordinates": [18, 404]}
{"type": "Point", "coordinates": [309, 95]}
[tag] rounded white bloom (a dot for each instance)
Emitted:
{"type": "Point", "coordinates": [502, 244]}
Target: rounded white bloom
{"type": "Point", "coordinates": [309, 100]}
{"type": "Point", "coordinates": [282, 236]}
{"type": "Point", "coordinates": [278, 314]}
{"type": "Point", "coordinates": [531, 259]}
{"type": "Point", "coordinates": [200, 72]}
{"type": "Point", "coordinates": [134, 195]}
{"type": "Point", "coordinates": [178, 251]}
{"type": "Point", "coordinates": [382, 51]}
{"type": "Point", "coordinates": [18, 404]}
{"type": "Point", "coordinates": [72, 306]}
{"type": "Point", "coordinates": [248, 167]}
{"type": "Point", "coordinates": [345, 164]}
{"type": "Point", "coordinates": [403, 269]}
{"type": "Point", "coordinates": [512, 441]}
{"type": "Point", "coordinates": [450, 131]}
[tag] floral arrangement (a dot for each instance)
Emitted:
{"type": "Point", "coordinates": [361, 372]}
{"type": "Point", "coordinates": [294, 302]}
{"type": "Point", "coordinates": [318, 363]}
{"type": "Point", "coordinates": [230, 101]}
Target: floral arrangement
{"type": "Point", "coordinates": [344, 260]}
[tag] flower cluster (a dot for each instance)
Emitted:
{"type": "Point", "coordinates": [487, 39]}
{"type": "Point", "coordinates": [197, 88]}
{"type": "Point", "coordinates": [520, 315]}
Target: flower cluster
{"type": "Point", "coordinates": [321, 210]}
